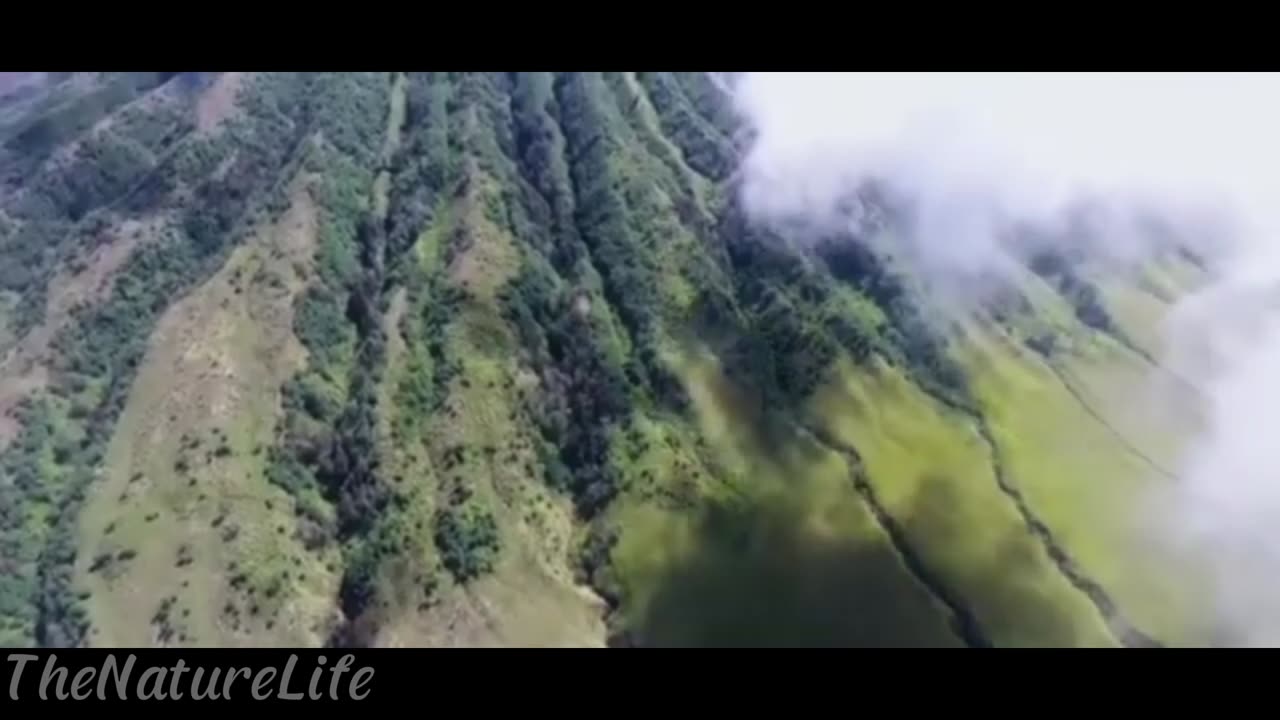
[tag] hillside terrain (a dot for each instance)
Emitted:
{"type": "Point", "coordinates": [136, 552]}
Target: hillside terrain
{"type": "Point", "coordinates": [481, 359]}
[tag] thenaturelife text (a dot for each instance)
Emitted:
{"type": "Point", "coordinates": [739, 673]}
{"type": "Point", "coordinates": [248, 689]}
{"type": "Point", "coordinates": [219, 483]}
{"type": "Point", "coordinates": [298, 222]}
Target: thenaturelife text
{"type": "Point", "coordinates": [115, 679]}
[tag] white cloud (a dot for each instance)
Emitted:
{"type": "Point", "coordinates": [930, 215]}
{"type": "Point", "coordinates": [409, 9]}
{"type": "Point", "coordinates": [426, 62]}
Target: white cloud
{"type": "Point", "coordinates": [975, 149]}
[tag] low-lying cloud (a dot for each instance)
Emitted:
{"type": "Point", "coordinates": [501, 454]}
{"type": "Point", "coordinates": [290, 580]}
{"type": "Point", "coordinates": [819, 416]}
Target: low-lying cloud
{"type": "Point", "coordinates": [976, 152]}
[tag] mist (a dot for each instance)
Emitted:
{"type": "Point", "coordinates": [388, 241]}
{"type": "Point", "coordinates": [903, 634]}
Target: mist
{"type": "Point", "coordinates": [976, 153]}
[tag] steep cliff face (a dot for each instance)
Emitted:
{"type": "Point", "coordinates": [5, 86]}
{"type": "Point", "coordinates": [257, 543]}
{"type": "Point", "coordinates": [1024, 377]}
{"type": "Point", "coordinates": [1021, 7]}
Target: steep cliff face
{"type": "Point", "coordinates": [498, 358]}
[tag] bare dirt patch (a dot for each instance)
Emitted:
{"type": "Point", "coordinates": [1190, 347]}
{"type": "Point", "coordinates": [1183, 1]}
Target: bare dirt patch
{"type": "Point", "coordinates": [85, 281]}
{"type": "Point", "coordinates": [218, 103]}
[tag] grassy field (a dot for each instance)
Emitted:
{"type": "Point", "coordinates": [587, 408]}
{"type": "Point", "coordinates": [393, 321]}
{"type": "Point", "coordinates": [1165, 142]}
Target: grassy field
{"type": "Point", "coordinates": [1153, 412]}
{"type": "Point", "coordinates": [790, 556]}
{"type": "Point", "coordinates": [185, 542]}
{"type": "Point", "coordinates": [1141, 313]}
{"type": "Point", "coordinates": [1084, 480]}
{"type": "Point", "coordinates": [933, 472]}
{"type": "Point", "coordinates": [531, 597]}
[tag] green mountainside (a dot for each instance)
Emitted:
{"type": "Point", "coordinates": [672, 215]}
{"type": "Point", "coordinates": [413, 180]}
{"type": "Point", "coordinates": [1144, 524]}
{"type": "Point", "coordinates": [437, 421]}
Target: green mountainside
{"type": "Point", "coordinates": [452, 359]}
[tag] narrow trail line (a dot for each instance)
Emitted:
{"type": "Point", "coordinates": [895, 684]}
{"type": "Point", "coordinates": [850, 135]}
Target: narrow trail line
{"type": "Point", "coordinates": [963, 621]}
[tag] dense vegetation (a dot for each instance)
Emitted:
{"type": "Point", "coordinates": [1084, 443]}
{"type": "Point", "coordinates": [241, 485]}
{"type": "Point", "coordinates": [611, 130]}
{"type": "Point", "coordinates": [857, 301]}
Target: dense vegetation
{"type": "Point", "coordinates": [100, 349]}
{"type": "Point", "coordinates": [513, 277]}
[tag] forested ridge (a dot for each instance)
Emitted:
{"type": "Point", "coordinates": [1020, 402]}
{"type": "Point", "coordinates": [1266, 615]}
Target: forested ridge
{"type": "Point", "coordinates": [548, 369]}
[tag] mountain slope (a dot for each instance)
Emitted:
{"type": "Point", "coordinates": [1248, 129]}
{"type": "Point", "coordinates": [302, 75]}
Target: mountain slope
{"type": "Point", "coordinates": [498, 358]}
